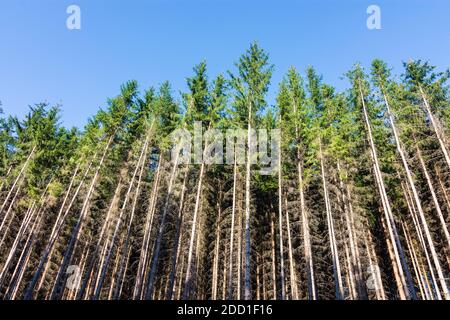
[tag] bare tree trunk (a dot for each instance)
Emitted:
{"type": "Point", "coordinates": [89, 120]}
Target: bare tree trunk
{"type": "Point", "coordinates": [125, 249]}
{"type": "Point", "coordinates": [274, 274]}
{"type": "Point", "coordinates": [162, 227]}
{"type": "Point", "coordinates": [105, 226]}
{"type": "Point", "coordinates": [5, 177]}
{"type": "Point", "coordinates": [138, 287]}
{"type": "Point", "coordinates": [73, 240]}
{"type": "Point", "coordinates": [216, 251]}
{"type": "Point", "coordinates": [443, 190]}
{"type": "Point", "coordinates": [16, 181]}
{"type": "Point", "coordinates": [280, 227]}
{"type": "Point", "coordinates": [350, 273]}
{"type": "Point", "coordinates": [113, 274]}
{"type": "Point", "coordinates": [6, 217]}
{"type": "Point", "coordinates": [355, 263]}
{"type": "Point", "coordinates": [22, 263]}
{"type": "Point", "coordinates": [188, 276]}
{"type": "Point", "coordinates": [27, 220]}
{"type": "Point", "coordinates": [331, 234]}
{"type": "Point", "coordinates": [374, 270]}
{"type": "Point", "coordinates": [177, 242]}
{"type": "Point", "coordinates": [239, 261]}
{"type": "Point", "coordinates": [44, 262]}
{"type": "Point", "coordinates": [405, 284]}
{"type": "Point", "coordinates": [416, 196]}
{"type": "Point", "coordinates": [413, 258]}
{"type": "Point", "coordinates": [434, 197]}
{"type": "Point", "coordinates": [247, 275]}
{"type": "Point", "coordinates": [293, 277]}
{"type": "Point", "coordinates": [224, 275]}
{"type": "Point", "coordinates": [74, 292]}
{"type": "Point", "coordinates": [233, 214]}
{"type": "Point", "coordinates": [419, 232]}
{"type": "Point", "coordinates": [14, 247]}
{"type": "Point", "coordinates": [179, 281]}
{"type": "Point", "coordinates": [258, 294]}
{"type": "Point", "coordinates": [436, 127]}
{"type": "Point", "coordinates": [395, 268]}
{"type": "Point", "coordinates": [306, 238]}
{"type": "Point", "coordinates": [104, 268]}
{"type": "Point", "coordinates": [304, 215]}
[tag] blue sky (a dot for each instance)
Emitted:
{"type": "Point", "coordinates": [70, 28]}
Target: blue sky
{"type": "Point", "coordinates": [156, 40]}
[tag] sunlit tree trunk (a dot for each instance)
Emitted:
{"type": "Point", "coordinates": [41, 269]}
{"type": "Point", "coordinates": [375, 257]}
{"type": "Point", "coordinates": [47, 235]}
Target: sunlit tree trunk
{"type": "Point", "coordinates": [161, 229]}
{"type": "Point", "coordinates": [436, 127]}
{"type": "Point", "coordinates": [247, 275]}
{"type": "Point", "coordinates": [188, 276]}
{"type": "Point", "coordinates": [216, 251]}
{"type": "Point", "coordinates": [232, 231]}
{"type": "Point", "coordinates": [419, 277]}
{"type": "Point", "coordinates": [177, 241]}
{"type": "Point", "coordinates": [280, 228]}
{"type": "Point", "coordinates": [19, 176]}
{"type": "Point", "coordinates": [331, 234]}
{"type": "Point", "coordinates": [403, 283]}
{"type": "Point", "coordinates": [434, 197]}
{"type": "Point", "coordinates": [416, 197]}
{"type": "Point", "coordinates": [104, 265]}
{"type": "Point", "coordinates": [75, 233]}
{"type": "Point", "coordinates": [292, 276]}
{"type": "Point", "coordinates": [44, 261]}
{"type": "Point", "coordinates": [274, 272]}
{"type": "Point", "coordinates": [139, 283]}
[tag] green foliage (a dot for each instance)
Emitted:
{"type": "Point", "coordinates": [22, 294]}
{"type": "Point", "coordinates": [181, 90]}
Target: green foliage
{"type": "Point", "coordinates": [250, 84]}
{"type": "Point", "coordinates": [319, 127]}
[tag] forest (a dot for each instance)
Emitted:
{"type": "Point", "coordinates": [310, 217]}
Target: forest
{"type": "Point", "coordinates": [358, 208]}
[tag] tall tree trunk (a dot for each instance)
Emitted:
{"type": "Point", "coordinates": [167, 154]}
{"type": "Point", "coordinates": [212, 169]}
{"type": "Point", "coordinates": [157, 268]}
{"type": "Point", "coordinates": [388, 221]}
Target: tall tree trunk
{"type": "Point", "coordinates": [216, 250]}
{"type": "Point", "coordinates": [188, 276]}
{"type": "Point", "coordinates": [334, 251]}
{"type": "Point", "coordinates": [274, 272]}
{"type": "Point", "coordinates": [443, 190]}
{"type": "Point", "coordinates": [355, 264]}
{"type": "Point", "coordinates": [280, 228]}
{"type": "Point", "coordinates": [304, 215]}
{"type": "Point", "coordinates": [434, 197]}
{"type": "Point", "coordinates": [436, 127]}
{"type": "Point", "coordinates": [419, 232]}
{"type": "Point", "coordinates": [419, 277]}
{"type": "Point", "coordinates": [247, 273]}
{"type": "Point", "coordinates": [14, 247]}
{"type": "Point", "coordinates": [292, 275]}
{"type": "Point", "coordinates": [6, 218]}
{"type": "Point", "coordinates": [416, 196]}
{"type": "Point", "coordinates": [405, 286]}
{"type": "Point", "coordinates": [161, 229]}
{"type": "Point", "coordinates": [104, 268]}
{"type": "Point", "coordinates": [44, 261]}
{"type": "Point", "coordinates": [233, 215]}
{"type": "Point", "coordinates": [17, 180]}
{"type": "Point", "coordinates": [374, 269]}
{"type": "Point", "coordinates": [239, 260]}
{"type": "Point", "coordinates": [177, 241]}
{"type": "Point", "coordinates": [75, 233]}
{"type": "Point", "coordinates": [140, 276]}
{"type": "Point", "coordinates": [125, 249]}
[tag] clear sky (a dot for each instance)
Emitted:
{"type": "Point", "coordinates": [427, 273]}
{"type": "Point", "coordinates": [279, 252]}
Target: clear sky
{"type": "Point", "coordinates": [156, 40]}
